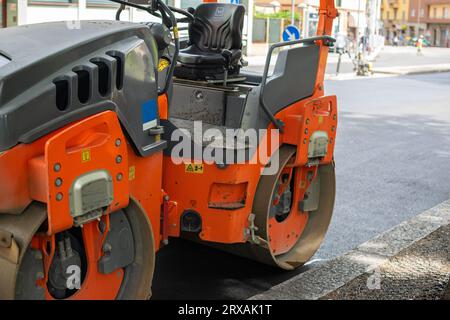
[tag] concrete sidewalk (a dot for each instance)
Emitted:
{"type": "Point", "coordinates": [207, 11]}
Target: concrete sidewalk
{"type": "Point", "coordinates": [389, 62]}
{"type": "Point", "coordinates": [410, 261]}
{"type": "Point", "coordinates": [384, 72]}
{"type": "Point", "coordinates": [415, 69]}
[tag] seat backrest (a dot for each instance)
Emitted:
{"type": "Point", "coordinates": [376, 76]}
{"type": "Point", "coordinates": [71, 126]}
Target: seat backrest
{"type": "Point", "coordinates": [217, 26]}
{"type": "Point", "coordinates": [294, 77]}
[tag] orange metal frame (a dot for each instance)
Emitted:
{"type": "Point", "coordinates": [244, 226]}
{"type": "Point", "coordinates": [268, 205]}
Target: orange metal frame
{"type": "Point", "coordinates": [190, 191]}
{"type": "Point", "coordinates": [85, 146]}
{"type": "Point", "coordinates": [94, 143]}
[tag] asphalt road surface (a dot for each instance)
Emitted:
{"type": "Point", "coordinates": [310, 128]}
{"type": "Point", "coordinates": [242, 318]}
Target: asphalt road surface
{"type": "Point", "coordinates": [392, 162]}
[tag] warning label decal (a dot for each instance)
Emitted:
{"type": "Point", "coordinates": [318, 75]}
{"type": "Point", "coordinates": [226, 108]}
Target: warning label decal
{"type": "Point", "coordinates": [193, 168]}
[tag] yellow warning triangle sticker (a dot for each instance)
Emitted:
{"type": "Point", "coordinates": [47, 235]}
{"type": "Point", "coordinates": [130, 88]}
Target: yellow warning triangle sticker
{"type": "Point", "coordinates": [193, 168]}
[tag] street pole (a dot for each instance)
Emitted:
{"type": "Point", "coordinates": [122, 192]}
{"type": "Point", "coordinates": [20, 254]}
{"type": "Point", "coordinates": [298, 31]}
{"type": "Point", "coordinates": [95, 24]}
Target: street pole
{"type": "Point", "coordinates": [418, 20]}
{"type": "Point", "coordinates": [81, 12]}
{"type": "Point", "coordinates": [358, 24]}
{"type": "Point", "coordinates": [368, 25]}
{"type": "Point", "coordinates": [249, 27]}
{"type": "Point", "coordinates": [292, 12]}
{"type": "Point", "coordinates": [21, 12]}
{"type": "Point", "coordinates": [303, 26]}
{"type": "Point", "coordinates": [306, 18]}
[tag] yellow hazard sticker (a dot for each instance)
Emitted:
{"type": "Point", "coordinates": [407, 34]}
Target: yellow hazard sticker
{"type": "Point", "coordinates": [175, 32]}
{"type": "Point", "coordinates": [320, 119]}
{"type": "Point", "coordinates": [86, 155]}
{"type": "Point", "coordinates": [131, 173]}
{"type": "Point", "coordinates": [163, 64]}
{"type": "Point", "coordinates": [193, 168]}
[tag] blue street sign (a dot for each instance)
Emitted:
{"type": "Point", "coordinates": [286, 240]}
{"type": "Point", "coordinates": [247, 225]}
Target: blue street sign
{"type": "Point", "coordinates": [235, 1]}
{"type": "Point", "coordinates": [291, 33]}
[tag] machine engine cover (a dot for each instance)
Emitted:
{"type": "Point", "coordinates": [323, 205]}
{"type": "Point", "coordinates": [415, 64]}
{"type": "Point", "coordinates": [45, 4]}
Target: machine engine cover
{"type": "Point", "coordinates": [52, 75]}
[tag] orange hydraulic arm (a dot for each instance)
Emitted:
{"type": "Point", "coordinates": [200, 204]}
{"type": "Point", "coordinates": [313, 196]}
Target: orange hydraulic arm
{"type": "Point", "coordinates": [327, 13]}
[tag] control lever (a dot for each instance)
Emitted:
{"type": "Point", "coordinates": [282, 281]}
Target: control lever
{"type": "Point", "coordinates": [227, 54]}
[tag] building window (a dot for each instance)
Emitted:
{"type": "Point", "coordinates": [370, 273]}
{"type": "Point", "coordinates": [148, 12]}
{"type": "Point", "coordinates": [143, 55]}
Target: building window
{"type": "Point", "coordinates": [403, 15]}
{"type": "Point", "coordinates": [434, 12]}
{"type": "Point", "coordinates": [413, 13]}
{"type": "Point", "coordinates": [422, 12]}
{"type": "Point", "coordinates": [445, 10]}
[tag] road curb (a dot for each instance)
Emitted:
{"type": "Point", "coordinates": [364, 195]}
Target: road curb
{"type": "Point", "coordinates": [386, 73]}
{"type": "Point", "coordinates": [412, 70]}
{"type": "Point", "coordinates": [335, 273]}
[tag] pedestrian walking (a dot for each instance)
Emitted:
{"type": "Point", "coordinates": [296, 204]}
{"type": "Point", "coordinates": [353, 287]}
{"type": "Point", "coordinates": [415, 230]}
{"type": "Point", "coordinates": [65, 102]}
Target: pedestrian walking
{"type": "Point", "coordinates": [419, 45]}
{"type": "Point", "coordinates": [395, 41]}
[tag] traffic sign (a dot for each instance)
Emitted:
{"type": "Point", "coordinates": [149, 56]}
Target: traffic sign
{"type": "Point", "coordinates": [235, 1]}
{"type": "Point", "coordinates": [291, 33]}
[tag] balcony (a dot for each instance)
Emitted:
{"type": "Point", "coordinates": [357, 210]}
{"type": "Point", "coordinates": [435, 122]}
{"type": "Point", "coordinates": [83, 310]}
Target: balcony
{"type": "Point", "coordinates": [393, 3]}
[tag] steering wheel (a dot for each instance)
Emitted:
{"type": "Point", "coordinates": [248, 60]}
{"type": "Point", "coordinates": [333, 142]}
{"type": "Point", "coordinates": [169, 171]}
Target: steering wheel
{"type": "Point", "coordinates": [159, 9]}
{"type": "Point", "coordinates": [188, 17]}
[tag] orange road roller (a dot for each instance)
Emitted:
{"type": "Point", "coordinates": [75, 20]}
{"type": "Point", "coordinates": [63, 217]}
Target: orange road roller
{"type": "Point", "coordinates": [117, 136]}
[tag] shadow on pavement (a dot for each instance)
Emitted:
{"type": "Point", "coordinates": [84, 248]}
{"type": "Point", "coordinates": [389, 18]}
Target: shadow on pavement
{"type": "Point", "coordinates": [187, 270]}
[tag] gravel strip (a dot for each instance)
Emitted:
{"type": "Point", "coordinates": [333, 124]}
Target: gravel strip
{"type": "Point", "coordinates": [421, 271]}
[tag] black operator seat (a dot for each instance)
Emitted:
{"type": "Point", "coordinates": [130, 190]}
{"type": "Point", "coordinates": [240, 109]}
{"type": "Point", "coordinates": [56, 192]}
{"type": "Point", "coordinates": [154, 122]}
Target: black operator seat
{"type": "Point", "coordinates": [215, 42]}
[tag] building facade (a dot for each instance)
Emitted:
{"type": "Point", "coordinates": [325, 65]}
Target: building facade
{"type": "Point", "coordinates": [416, 18]}
{"type": "Point", "coordinates": [437, 20]}
{"type": "Point", "coordinates": [431, 19]}
{"type": "Point", "coordinates": [350, 22]}
{"type": "Point", "coordinates": [20, 12]}
{"type": "Point", "coordinates": [394, 14]}
{"type": "Point", "coordinates": [405, 20]}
